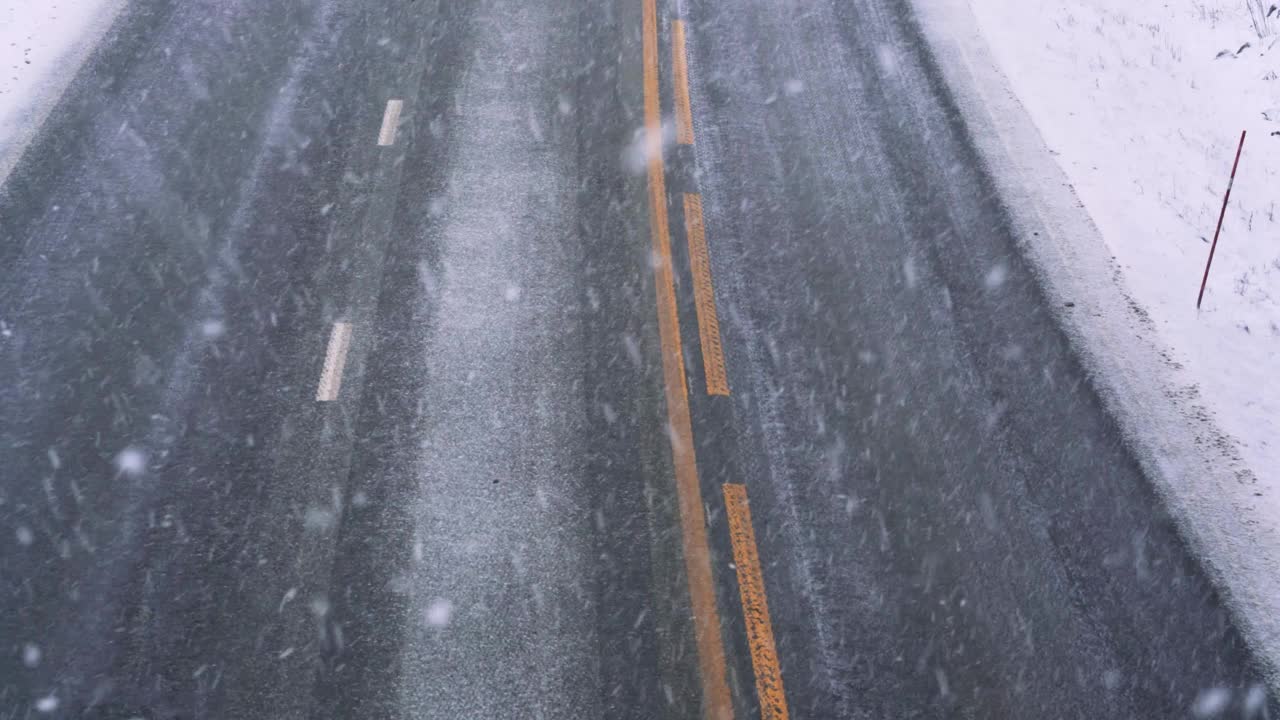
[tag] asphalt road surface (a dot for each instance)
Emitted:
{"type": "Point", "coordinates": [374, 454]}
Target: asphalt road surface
{"type": "Point", "coordinates": [556, 359]}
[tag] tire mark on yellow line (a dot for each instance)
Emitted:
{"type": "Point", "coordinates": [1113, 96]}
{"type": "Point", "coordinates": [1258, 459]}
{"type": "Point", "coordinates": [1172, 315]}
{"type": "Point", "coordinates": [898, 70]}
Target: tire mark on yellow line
{"type": "Point", "coordinates": [704, 297]}
{"type": "Point", "coordinates": [680, 68]}
{"type": "Point", "coordinates": [755, 605]}
{"type": "Point", "coordinates": [716, 703]}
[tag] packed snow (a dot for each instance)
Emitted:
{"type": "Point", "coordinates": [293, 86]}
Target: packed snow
{"type": "Point", "coordinates": [1143, 108]}
{"type": "Point", "coordinates": [42, 45]}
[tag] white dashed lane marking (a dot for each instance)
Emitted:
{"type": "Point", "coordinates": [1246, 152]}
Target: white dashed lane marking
{"type": "Point", "coordinates": [335, 360]}
{"type": "Point", "coordinates": [390, 122]}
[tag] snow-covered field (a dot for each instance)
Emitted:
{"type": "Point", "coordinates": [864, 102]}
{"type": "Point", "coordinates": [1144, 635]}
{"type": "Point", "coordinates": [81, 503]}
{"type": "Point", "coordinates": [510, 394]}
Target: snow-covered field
{"type": "Point", "coordinates": [1143, 105]}
{"type": "Point", "coordinates": [42, 45]}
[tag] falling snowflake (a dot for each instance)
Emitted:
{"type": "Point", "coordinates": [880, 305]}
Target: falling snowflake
{"type": "Point", "coordinates": [439, 612]}
{"type": "Point", "coordinates": [1211, 702]}
{"type": "Point", "coordinates": [131, 461]}
{"type": "Point", "coordinates": [996, 277]}
{"type": "Point", "coordinates": [31, 655]}
{"type": "Point", "coordinates": [213, 328]}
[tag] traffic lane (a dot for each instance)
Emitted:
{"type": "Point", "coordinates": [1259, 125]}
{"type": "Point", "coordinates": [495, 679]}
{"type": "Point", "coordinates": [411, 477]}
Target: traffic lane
{"type": "Point", "coordinates": [363, 613]}
{"type": "Point", "coordinates": [496, 619]}
{"type": "Point", "coordinates": [507, 543]}
{"type": "Point", "coordinates": [1117, 541]}
{"type": "Point", "coordinates": [154, 318]}
{"type": "Point", "coordinates": [189, 625]}
{"type": "Point", "coordinates": [253, 605]}
{"type": "Point", "coordinates": [932, 449]}
{"type": "Point", "coordinates": [96, 303]}
{"type": "Point", "coordinates": [508, 624]}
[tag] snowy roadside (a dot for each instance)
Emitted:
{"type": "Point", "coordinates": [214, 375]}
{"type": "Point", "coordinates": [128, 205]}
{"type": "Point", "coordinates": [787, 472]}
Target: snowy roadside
{"type": "Point", "coordinates": [1109, 129]}
{"type": "Point", "coordinates": [1144, 111]}
{"type": "Point", "coordinates": [42, 46]}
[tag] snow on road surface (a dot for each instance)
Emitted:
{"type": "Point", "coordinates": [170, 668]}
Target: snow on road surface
{"type": "Point", "coordinates": [43, 43]}
{"type": "Point", "coordinates": [1143, 110]}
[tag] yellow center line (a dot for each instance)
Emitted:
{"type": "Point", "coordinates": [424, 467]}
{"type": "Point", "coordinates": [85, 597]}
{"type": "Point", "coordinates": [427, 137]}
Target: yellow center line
{"type": "Point", "coordinates": [680, 63]}
{"type": "Point", "coordinates": [716, 703]}
{"type": "Point", "coordinates": [704, 296]}
{"type": "Point", "coordinates": [755, 605]}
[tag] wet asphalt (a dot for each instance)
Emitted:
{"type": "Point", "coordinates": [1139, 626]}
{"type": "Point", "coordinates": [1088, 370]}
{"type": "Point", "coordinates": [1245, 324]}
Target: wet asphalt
{"type": "Point", "coordinates": [484, 522]}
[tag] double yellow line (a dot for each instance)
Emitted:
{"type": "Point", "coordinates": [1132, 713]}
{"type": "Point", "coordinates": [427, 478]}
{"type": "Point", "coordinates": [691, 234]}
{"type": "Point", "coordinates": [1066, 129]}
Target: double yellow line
{"type": "Point", "coordinates": [716, 701]}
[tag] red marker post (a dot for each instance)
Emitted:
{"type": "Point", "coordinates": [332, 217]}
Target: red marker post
{"type": "Point", "coordinates": [1205, 280]}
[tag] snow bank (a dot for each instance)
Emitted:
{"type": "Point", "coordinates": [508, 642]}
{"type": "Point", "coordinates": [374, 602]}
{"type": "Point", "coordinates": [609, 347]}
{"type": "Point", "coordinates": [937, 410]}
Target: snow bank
{"type": "Point", "coordinates": [42, 46]}
{"type": "Point", "coordinates": [1109, 128]}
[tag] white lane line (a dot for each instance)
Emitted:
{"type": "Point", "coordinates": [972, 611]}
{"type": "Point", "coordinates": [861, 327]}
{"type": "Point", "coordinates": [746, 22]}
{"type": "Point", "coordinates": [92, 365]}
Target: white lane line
{"type": "Point", "coordinates": [390, 121]}
{"type": "Point", "coordinates": [334, 361]}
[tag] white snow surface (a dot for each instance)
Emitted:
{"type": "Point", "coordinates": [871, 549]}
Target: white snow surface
{"type": "Point", "coordinates": [1143, 109]}
{"type": "Point", "coordinates": [1110, 128]}
{"type": "Point", "coordinates": [43, 43]}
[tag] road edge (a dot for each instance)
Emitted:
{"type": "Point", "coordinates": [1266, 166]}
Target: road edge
{"type": "Point", "coordinates": [1188, 459]}
{"type": "Point", "coordinates": [57, 82]}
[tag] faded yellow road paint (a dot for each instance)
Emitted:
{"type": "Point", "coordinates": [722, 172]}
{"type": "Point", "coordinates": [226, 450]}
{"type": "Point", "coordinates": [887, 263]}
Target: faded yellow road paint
{"type": "Point", "coordinates": [755, 605]}
{"type": "Point", "coordinates": [716, 702]}
{"type": "Point", "coordinates": [680, 63]}
{"type": "Point", "coordinates": [704, 297]}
